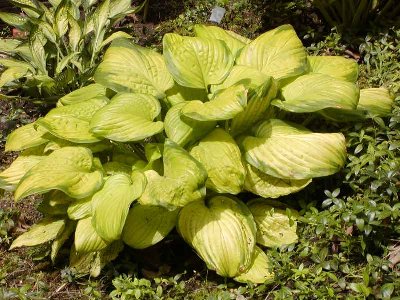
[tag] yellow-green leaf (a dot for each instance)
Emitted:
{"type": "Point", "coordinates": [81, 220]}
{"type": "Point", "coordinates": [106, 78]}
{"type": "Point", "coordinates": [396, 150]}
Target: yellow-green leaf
{"type": "Point", "coordinates": [110, 206]}
{"type": "Point", "coordinates": [222, 231]}
{"type": "Point", "coordinates": [221, 157]}
{"type": "Point", "coordinates": [83, 94]}
{"type": "Point", "coordinates": [24, 137]}
{"type": "Point", "coordinates": [128, 117]}
{"type": "Point", "coordinates": [12, 74]}
{"type": "Point", "coordinates": [313, 92]}
{"type": "Point", "coordinates": [147, 225]}
{"type": "Point", "coordinates": [11, 176]}
{"type": "Point", "coordinates": [196, 62]}
{"type": "Point", "coordinates": [183, 181]}
{"type": "Point", "coordinates": [285, 150]}
{"type": "Point", "coordinates": [68, 169]}
{"type": "Point", "coordinates": [225, 105]}
{"type": "Point", "coordinates": [86, 237]}
{"type": "Point", "coordinates": [278, 53]}
{"type": "Point", "coordinates": [233, 41]}
{"type": "Point", "coordinates": [183, 130]}
{"type": "Point", "coordinates": [127, 67]}
{"type": "Point", "coordinates": [46, 230]}
{"type": "Point", "coordinates": [80, 209]}
{"type": "Point", "coordinates": [268, 186]}
{"type": "Point", "coordinates": [377, 102]}
{"type": "Point", "coordinates": [72, 122]}
{"type": "Point", "coordinates": [258, 104]}
{"type": "Point", "coordinates": [276, 224]}
{"type": "Point", "coordinates": [335, 66]}
{"type": "Point", "coordinates": [259, 270]}
{"type": "Point", "coordinates": [249, 77]}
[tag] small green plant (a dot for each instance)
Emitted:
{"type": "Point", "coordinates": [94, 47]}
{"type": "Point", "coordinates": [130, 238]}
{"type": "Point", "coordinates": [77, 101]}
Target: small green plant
{"type": "Point", "coordinates": [126, 287]}
{"type": "Point", "coordinates": [133, 288]}
{"type": "Point", "coordinates": [196, 139]}
{"type": "Point", "coordinates": [6, 224]}
{"type": "Point", "coordinates": [63, 46]}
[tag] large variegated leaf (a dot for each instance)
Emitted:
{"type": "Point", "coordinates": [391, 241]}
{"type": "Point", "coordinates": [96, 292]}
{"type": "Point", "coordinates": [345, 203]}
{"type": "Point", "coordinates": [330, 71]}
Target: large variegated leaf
{"type": "Point", "coordinates": [72, 122]}
{"type": "Point", "coordinates": [196, 62]}
{"type": "Point", "coordinates": [278, 53]}
{"type": "Point", "coordinates": [249, 77]}
{"type": "Point", "coordinates": [225, 105]}
{"type": "Point", "coordinates": [335, 66]}
{"type": "Point", "coordinates": [25, 137]}
{"type": "Point", "coordinates": [257, 107]}
{"type": "Point", "coordinates": [183, 181]}
{"type": "Point", "coordinates": [183, 130]}
{"type": "Point", "coordinates": [12, 74]}
{"type": "Point", "coordinates": [147, 225]}
{"type": "Point", "coordinates": [128, 117]}
{"type": "Point", "coordinates": [13, 63]}
{"type": "Point", "coordinates": [86, 93]}
{"type": "Point", "coordinates": [313, 92]}
{"type": "Point", "coordinates": [9, 45]}
{"type": "Point", "coordinates": [127, 67]}
{"type": "Point", "coordinates": [286, 150]}
{"type": "Point", "coordinates": [14, 20]}
{"type": "Point", "coordinates": [259, 270]}
{"type": "Point", "coordinates": [11, 176]}
{"type": "Point", "coordinates": [234, 41]}
{"type": "Point", "coordinates": [111, 204]}
{"type": "Point", "coordinates": [69, 169]}
{"type": "Point", "coordinates": [276, 224]}
{"type": "Point", "coordinates": [221, 157]}
{"type": "Point", "coordinates": [222, 231]}
{"type": "Point", "coordinates": [119, 8]}
{"type": "Point", "coordinates": [268, 186]}
{"type": "Point", "coordinates": [376, 102]}
{"type": "Point", "coordinates": [86, 237]}
{"type": "Point", "coordinates": [46, 230]}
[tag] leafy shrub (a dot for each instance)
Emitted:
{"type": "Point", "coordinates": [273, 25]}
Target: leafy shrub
{"type": "Point", "coordinates": [63, 46]}
{"type": "Point", "coordinates": [196, 139]}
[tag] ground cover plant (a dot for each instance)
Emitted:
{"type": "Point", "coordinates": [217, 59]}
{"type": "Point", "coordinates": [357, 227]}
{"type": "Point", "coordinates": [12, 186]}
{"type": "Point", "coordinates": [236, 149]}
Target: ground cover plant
{"type": "Point", "coordinates": [196, 138]}
{"type": "Point", "coordinates": [63, 46]}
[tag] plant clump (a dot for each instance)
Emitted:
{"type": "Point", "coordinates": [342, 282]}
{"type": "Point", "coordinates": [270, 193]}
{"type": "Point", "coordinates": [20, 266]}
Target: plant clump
{"type": "Point", "coordinates": [196, 138]}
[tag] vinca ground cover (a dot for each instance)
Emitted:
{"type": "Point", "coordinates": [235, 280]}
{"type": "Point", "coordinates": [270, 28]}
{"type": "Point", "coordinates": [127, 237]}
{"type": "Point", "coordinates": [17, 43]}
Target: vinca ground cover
{"type": "Point", "coordinates": [349, 239]}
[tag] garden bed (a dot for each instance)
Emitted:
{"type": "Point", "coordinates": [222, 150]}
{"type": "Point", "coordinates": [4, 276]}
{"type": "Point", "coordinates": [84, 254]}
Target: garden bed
{"type": "Point", "coordinates": [348, 241]}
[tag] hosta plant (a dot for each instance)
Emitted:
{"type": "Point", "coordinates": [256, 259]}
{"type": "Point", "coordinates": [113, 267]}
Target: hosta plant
{"type": "Point", "coordinates": [193, 139]}
{"type": "Point", "coordinates": [64, 44]}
